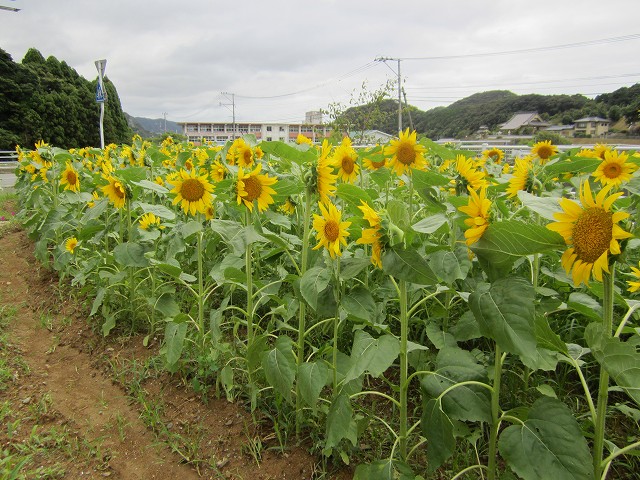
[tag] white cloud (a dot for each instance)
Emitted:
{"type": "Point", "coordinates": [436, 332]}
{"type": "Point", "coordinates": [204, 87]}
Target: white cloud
{"type": "Point", "coordinates": [176, 57]}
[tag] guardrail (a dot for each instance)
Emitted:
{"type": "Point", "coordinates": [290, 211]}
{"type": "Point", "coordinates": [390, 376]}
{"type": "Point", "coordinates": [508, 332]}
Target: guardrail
{"type": "Point", "coordinates": [8, 156]}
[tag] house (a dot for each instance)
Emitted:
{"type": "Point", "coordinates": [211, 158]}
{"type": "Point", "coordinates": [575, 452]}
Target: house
{"type": "Point", "coordinates": [565, 130]}
{"type": "Point", "coordinates": [524, 123]}
{"type": "Point", "coordinates": [592, 127]}
{"type": "Point", "coordinates": [369, 137]}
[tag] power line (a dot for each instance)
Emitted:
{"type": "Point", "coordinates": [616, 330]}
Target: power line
{"type": "Point", "coordinates": [344, 76]}
{"type": "Point", "coordinates": [537, 82]}
{"type": "Point", "coordinates": [585, 43]}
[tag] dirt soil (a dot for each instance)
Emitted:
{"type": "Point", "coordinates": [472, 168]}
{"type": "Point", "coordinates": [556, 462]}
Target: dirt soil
{"type": "Point", "coordinates": [69, 383]}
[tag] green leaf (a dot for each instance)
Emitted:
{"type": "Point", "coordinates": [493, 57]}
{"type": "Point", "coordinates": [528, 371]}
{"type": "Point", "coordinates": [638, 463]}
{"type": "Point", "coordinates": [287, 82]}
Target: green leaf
{"type": "Point", "coordinates": [312, 377]}
{"type": "Point", "coordinates": [548, 445]}
{"type": "Point", "coordinates": [359, 303]}
{"type": "Point", "coordinates": [158, 210]}
{"type": "Point", "coordinates": [350, 267]}
{"type": "Point", "coordinates": [154, 187]}
{"type": "Point", "coordinates": [438, 429]}
{"type": "Point", "coordinates": [430, 224]}
{"type": "Point", "coordinates": [190, 228]}
{"type": "Point", "coordinates": [423, 179]}
{"type": "Point", "coordinates": [133, 174]}
{"type": "Point", "coordinates": [279, 366]}
{"type": "Point", "coordinates": [235, 235]}
{"type": "Point", "coordinates": [167, 306]}
{"type": "Point", "coordinates": [340, 423]}
{"type": "Point", "coordinates": [586, 305]}
{"type": "Point", "coordinates": [547, 338]}
{"type": "Point", "coordinates": [409, 265]}
{"type": "Point", "coordinates": [284, 150]}
{"type": "Point", "coordinates": [130, 254]}
{"type": "Point", "coordinates": [575, 165]}
{"type": "Point", "coordinates": [449, 265]}
{"type": "Point", "coordinates": [97, 302]}
{"type": "Point", "coordinates": [504, 242]}
{"type": "Point", "coordinates": [398, 213]}
{"type": "Point", "coordinates": [313, 283]}
{"type": "Point", "coordinates": [286, 188]}
{"type": "Point", "coordinates": [373, 355]}
{"type": "Point", "coordinates": [505, 312]}
{"type": "Point", "coordinates": [543, 206]}
{"type": "Point", "coordinates": [353, 194]}
{"type": "Point", "coordinates": [467, 402]}
{"type": "Point", "coordinates": [620, 359]}
{"type": "Point", "coordinates": [174, 335]}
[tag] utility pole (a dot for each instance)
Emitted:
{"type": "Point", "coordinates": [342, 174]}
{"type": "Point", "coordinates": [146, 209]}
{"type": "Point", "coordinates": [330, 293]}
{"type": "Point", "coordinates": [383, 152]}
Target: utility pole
{"type": "Point", "coordinates": [384, 59]}
{"type": "Point", "coordinates": [164, 114]}
{"type": "Point", "coordinates": [233, 110]}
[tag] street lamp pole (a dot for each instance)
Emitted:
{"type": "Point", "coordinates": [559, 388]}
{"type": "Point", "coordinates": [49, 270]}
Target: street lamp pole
{"type": "Point", "coordinates": [101, 96]}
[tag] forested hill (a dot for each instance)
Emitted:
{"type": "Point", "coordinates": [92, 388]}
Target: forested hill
{"type": "Point", "coordinates": [493, 108]}
{"type": "Point", "coordinates": [48, 100]}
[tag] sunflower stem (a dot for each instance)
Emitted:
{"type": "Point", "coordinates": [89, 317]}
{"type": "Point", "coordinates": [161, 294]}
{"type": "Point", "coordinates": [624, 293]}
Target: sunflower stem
{"type": "Point", "coordinates": [404, 369]}
{"type": "Point", "coordinates": [302, 311]}
{"type": "Point", "coordinates": [336, 324]}
{"type": "Point", "coordinates": [200, 292]}
{"type": "Point", "coordinates": [603, 384]}
{"type": "Point", "coordinates": [249, 272]}
{"type": "Point", "coordinates": [495, 415]}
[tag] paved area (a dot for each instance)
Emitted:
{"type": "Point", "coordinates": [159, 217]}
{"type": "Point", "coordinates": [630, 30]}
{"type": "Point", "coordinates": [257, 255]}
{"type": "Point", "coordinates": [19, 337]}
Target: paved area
{"type": "Point", "coordinates": [7, 180]}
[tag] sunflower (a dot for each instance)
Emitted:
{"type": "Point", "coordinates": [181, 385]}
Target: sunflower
{"type": "Point", "coordinates": [323, 180]}
{"type": "Point", "coordinates": [94, 198]}
{"type": "Point", "coordinates": [209, 213]}
{"type": "Point", "coordinates": [218, 171]}
{"type": "Point", "coordinates": [495, 154]}
{"type": "Point", "coordinates": [345, 160]}
{"type": "Point", "coordinates": [522, 178]}
{"type": "Point", "coordinates": [303, 139]}
{"type": "Point", "coordinates": [115, 191]}
{"type": "Point", "coordinates": [614, 169]}
{"type": "Point", "coordinates": [544, 150]}
{"type": "Point", "coordinates": [331, 230]}
{"type": "Point", "coordinates": [370, 164]}
{"type": "Point", "coordinates": [468, 175]}
{"type": "Point", "coordinates": [406, 153]}
{"type": "Point", "coordinates": [592, 231]}
{"type": "Point", "coordinates": [478, 211]}
{"type": "Point", "coordinates": [149, 220]}
{"type": "Point", "coordinates": [288, 207]}
{"type": "Point", "coordinates": [372, 236]}
{"type": "Point", "coordinates": [193, 191]}
{"type": "Point", "coordinates": [244, 155]}
{"type": "Point", "coordinates": [255, 186]}
{"type": "Point", "coordinates": [600, 150]}
{"type": "Point", "coordinates": [71, 244]}
{"type": "Point", "coordinates": [634, 285]}
{"type": "Point", "coordinates": [70, 178]}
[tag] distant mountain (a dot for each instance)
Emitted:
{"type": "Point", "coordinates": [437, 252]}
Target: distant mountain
{"type": "Point", "coordinates": [151, 127]}
{"type": "Point", "coordinates": [492, 108]}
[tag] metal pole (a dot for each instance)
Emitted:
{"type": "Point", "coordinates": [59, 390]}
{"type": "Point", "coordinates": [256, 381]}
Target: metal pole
{"type": "Point", "coordinates": [102, 125]}
{"type": "Point", "coordinates": [233, 113]}
{"type": "Point", "coordinates": [399, 100]}
{"type": "Point", "coordinates": [101, 96]}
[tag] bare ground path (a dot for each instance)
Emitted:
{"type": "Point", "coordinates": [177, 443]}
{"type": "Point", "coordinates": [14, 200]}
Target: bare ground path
{"type": "Point", "coordinates": [68, 385]}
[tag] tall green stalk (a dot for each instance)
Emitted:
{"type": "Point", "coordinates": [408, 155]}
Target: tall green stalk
{"type": "Point", "coordinates": [603, 386]}
{"type": "Point", "coordinates": [495, 414]}
{"type": "Point", "coordinates": [200, 291]}
{"type": "Point", "coordinates": [404, 369]}
{"type": "Point", "coordinates": [249, 271]}
{"type": "Point", "coordinates": [336, 324]}
{"type": "Point", "coordinates": [302, 312]}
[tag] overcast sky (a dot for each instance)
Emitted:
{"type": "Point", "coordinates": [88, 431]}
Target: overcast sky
{"type": "Point", "coordinates": [295, 56]}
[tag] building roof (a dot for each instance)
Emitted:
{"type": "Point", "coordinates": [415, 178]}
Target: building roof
{"type": "Point", "coordinates": [593, 119]}
{"type": "Point", "coordinates": [520, 119]}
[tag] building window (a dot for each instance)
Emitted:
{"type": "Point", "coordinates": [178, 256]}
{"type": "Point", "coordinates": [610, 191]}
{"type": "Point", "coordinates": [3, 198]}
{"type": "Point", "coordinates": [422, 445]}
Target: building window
{"type": "Point", "coordinates": [268, 128]}
{"type": "Point", "coordinates": [282, 129]}
{"type": "Point", "coordinates": [269, 138]}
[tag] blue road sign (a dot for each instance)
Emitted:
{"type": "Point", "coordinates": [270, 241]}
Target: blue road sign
{"type": "Point", "coordinates": [100, 98]}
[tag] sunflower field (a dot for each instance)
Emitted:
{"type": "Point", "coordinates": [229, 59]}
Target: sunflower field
{"type": "Point", "coordinates": [408, 309]}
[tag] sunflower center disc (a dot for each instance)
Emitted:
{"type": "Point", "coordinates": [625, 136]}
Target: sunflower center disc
{"type": "Point", "coordinates": [332, 230]}
{"type": "Point", "coordinates": [72, 178]}
{"type": "Point", "coordinates": [406, 154]}
{"type": "Point", "coordinates": [612, 170]}
{"type": "Point", "coordinates": [347, 164]}
{"type": "Point", "coordinates": [545, 152]}
{"type": "Point", "coordinates": [253, 187]}
{"type": "Point", "coordinates": [592, 233]}
{"type": "Point", "coordinates": [118, 190]}
{"type": "Point", "coordinates": [192, 189]}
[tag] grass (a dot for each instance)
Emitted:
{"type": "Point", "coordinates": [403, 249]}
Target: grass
{"type": "Point", "coordinates": [34, 447]}
{"type": "Point", "coordinates": [8, 210]}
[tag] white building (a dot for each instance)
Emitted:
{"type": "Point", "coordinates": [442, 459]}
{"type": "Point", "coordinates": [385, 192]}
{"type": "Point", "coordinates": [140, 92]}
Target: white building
{"type": "Point", "coordinates": [221, 132]}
